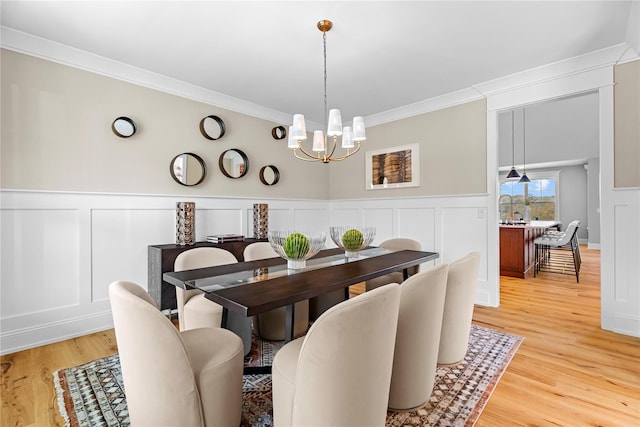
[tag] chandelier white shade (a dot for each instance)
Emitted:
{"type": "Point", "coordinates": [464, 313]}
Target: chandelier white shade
{"type": "Point", "coordinates": [323, 149]}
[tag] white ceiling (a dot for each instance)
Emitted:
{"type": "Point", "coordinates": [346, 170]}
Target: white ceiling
{"type": "Point", "coordinates": [380, 55]}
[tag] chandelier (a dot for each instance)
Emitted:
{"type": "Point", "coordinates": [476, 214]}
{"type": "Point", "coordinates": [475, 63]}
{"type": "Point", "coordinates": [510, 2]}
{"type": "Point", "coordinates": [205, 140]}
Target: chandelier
{"type": "Point", "coordinates": [325, 152]}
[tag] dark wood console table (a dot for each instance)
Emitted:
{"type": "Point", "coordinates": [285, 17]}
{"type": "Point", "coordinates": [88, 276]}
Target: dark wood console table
{"type": "Point", "coordinates": [161, 259]}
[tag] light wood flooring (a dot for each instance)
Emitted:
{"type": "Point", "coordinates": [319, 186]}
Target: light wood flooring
{"type": "Point", "coordinates": [567, 372]}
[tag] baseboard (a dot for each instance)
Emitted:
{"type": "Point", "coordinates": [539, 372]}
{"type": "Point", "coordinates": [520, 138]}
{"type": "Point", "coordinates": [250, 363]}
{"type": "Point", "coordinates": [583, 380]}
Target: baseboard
{"type": "Point", "coordinates": [53, 332]}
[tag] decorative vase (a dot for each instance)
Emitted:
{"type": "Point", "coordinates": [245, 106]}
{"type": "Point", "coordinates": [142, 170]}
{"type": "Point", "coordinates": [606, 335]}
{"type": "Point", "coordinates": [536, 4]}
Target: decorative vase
{"type": "Point", "coordinates": [185, 223]}
{"type": "Point", "coordinates": [296, 247]}
{"type": "Point", "coordinates": [352, 239]}
{"type": "Point", "coordinates": [260, 220]}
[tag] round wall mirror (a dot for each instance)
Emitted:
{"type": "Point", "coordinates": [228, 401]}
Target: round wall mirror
{"type": "Point", "coordinates": [269, 175]}
{"type": "Point", "coordinates": [124, 127]}
{"type": "Point", "coordinates": [279, 132]}
{"type": "Point", "coordinates": [233, 163]}
{"type": "Point", "coordinates": [188, 169]}
{"type": "Point", "coordinates": [212, 127]}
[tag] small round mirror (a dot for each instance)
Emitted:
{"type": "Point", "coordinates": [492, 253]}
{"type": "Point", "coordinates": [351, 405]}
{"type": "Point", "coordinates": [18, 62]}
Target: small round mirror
{"type": "Point", "coordinates": [212, 127]}
{"type": "Point", "coordinates": [233, 163]}
{"type": "Point", "coordinates": [279, 132]}
{"type": "Point", "coordinates": [187, 169]}
{"type": "Point", "coordinates": [269, 175]}
{"type": "Point", "coordinates": [124, 127]}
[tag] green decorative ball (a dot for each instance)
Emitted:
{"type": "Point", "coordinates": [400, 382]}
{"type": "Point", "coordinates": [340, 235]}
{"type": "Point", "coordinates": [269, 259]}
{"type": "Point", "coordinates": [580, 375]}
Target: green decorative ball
{"type": "Point", "coordinates": [296, 246]}
{"type": "Point", "coordinates": [352, 239]}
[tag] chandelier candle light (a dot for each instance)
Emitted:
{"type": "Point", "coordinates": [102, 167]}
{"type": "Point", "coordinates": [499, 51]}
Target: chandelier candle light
{"type": "Point", "coordinates": [351, 135]}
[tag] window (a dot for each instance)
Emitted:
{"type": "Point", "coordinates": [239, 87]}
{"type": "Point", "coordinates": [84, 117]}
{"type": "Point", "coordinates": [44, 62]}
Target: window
{"type": "Point", "coordinates": [540, 195]}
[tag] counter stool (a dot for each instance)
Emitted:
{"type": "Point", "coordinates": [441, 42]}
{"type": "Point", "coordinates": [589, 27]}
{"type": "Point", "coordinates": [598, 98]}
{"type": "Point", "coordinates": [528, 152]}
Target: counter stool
{"type": "Point", "coordinates": [559, 252]}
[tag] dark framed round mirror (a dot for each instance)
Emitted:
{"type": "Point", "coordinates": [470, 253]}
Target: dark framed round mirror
{"type": "Point", "coordinates": [124, 127]}
{"type": "Point", "coordinates": [212, 128]}
{"type": "Point", "coordinates": [233, 163]}
{"type": "Point", "coordinates": [188, 169]}
{"type": "Point", "coordinates": [269, 175]}
{"type": "Point", "coordinates": [279, 132]}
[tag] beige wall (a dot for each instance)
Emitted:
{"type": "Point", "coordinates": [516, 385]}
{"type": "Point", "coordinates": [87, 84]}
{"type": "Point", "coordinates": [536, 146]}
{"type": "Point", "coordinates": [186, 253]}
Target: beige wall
{"type": "Point", "coordinates": [56, 135]}
{"type": "Point", "coordinates": [453, 154]}
{"type": "Point", "coordinates": [627, 125]}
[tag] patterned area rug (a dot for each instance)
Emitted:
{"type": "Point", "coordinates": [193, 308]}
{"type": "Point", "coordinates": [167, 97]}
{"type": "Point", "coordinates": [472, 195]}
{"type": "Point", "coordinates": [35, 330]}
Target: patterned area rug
{"type": "Point", "coordinates": [92, 394]}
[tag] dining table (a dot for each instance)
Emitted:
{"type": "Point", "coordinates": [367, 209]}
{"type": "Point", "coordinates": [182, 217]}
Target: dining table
{"type": "Point", "coordinates": [253, 287]}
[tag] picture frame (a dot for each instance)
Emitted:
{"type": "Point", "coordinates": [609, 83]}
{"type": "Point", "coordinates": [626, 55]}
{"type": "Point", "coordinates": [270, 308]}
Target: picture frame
{"type": "Point", "coordinates": [394, 167]}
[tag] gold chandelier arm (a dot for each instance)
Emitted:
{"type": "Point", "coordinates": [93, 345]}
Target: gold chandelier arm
{"type": "Point", "coordinates": [333, 150]}
{"type": "Point", "coordinates": [349, 154]}
{"type": "Point", "coordinates": [309, 158]}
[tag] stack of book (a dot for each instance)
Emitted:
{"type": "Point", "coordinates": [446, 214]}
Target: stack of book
{"type": "Point", "coordinates": [223, 238]}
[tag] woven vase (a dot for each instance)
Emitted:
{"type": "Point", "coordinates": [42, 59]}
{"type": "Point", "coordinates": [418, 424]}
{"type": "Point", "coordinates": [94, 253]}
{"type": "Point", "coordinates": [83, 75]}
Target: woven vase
{"type": "Point", "coordinates": [260, 220]}
{"type": "Point", "coordinates": [185, 223]}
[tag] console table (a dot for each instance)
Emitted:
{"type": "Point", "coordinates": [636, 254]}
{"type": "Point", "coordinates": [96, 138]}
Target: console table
{"type": "Point", "coordinates": [161, 259]}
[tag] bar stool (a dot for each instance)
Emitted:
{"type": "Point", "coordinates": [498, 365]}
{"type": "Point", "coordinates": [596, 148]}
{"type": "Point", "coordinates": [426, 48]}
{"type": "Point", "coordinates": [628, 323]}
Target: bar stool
{"type": "Point", "coordinates": [552, 252]}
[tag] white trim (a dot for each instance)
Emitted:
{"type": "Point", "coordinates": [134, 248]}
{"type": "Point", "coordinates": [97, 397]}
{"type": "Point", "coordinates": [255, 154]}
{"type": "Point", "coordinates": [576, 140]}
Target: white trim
{"type": "Point", "coordinates": [21, 42]}
{"type": "Point", "coordinates": [546, 73]}
{"type": "Point", "coordinates": [568, 68]}
{"type": "Point", "coordinates": [620, 274]}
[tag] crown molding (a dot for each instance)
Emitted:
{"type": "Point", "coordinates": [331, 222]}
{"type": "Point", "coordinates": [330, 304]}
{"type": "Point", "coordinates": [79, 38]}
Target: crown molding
{"type": "Point", "coordinates": [28, 44]}
{"type": "Point", "coordinates": [432, 104]}
{"type": "Point", "coordinates": [589, 61]}
{"type": "Point", "coordinates": [46, 49]}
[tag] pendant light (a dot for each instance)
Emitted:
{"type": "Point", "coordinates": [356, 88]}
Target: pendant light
{"type": "Point", "coordinates": [524, 177]}
{"type": "Point", "coordinates": [513, 173]}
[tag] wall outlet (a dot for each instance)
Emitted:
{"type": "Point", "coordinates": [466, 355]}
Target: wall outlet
{"type": "Point", "coordinates": [482, 213]}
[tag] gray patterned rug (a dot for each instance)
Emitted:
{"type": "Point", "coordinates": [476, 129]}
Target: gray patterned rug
{"type": "Point", "coordinates": [92, 394]}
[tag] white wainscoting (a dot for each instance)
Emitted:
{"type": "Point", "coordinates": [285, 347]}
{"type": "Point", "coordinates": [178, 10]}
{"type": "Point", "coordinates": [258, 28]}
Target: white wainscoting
{"type": "Point", "coordinates": [451, 226]}
{"type": "Point", "coordinates": [60, 251]}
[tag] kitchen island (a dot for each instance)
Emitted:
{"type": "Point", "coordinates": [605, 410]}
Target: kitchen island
{"type": "Point", "coordinates": [517, 249]}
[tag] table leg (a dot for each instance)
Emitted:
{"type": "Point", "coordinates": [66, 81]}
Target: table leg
{"type": "Point", "coordinates": [225, 318]}
{"type": "Point", "coordinates": [405, 274]}
{"type": "Point", "coordinates": [289, 323]}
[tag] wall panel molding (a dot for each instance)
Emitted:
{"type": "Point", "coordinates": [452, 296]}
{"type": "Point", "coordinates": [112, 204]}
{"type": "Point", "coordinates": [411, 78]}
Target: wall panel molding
{"type": "Point", "coordinates": [113, 231]}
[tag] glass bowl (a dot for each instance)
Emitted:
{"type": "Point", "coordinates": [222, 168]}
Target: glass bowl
{"type": "Point", "coordinates": [296, 246]}
{"type": "Point", "coordinates": [352, 238]}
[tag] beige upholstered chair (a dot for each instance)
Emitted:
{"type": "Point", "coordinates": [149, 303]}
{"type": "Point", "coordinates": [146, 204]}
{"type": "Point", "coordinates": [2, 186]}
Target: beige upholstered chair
{"type": "Point", "coordinates": [196, 311]}
{"type": "Point", "coordinates": [458, 308]}
{"type": "Point", "coordinates": [271, 325]}
{"type": "Point", "coordinates": [171, 378]}
{"type": "Point", "coordinates": [339, 373]}
{"type": "Point", "coordinates": [399, 243]}
{"type": "Point", "coordinates": [416, 354]}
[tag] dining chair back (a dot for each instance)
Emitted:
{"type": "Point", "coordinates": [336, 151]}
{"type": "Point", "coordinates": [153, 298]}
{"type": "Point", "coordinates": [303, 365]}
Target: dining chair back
{"type": "Point", "coordinates": [458, 308]}
{"type": "Point", "coordinates": [399, 243]}
{"type": "Point", "coordinates": [190, 378]}
{"type": "Point", "coordinates": [418, 338]}
{"type": "Point", "coordinates": [339, 373]}
{"type": "Point", "coordinates": [196, 311]}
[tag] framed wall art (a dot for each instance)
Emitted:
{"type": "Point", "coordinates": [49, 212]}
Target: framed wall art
{"type": "Point", "coordinates": [394, 167]}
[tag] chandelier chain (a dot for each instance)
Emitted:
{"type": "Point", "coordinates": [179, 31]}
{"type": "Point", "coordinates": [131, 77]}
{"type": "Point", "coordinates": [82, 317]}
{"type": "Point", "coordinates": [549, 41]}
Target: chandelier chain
{"type": "Point", "coordinates": [326, 108]}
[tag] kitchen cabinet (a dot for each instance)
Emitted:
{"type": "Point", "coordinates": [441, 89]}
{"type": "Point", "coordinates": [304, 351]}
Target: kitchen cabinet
{"type": "Point", "coordinates": [517, 248]}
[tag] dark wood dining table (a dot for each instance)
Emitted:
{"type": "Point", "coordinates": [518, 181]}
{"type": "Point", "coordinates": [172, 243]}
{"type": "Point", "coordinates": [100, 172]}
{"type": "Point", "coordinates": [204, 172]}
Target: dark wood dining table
{"type": "Point", "coordinates": [254, 287]}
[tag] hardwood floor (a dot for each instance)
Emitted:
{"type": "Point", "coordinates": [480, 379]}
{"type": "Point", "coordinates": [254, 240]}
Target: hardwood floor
{"type": "Point", "coordinates": [567, 372]}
